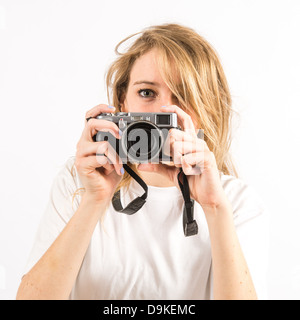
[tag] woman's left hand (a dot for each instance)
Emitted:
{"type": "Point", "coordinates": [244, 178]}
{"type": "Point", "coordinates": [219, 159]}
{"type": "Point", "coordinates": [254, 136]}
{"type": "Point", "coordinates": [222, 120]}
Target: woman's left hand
{"type": "Point", "coordinates": [197, 162]}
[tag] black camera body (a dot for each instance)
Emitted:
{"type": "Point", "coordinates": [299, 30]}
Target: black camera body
{"type": "Point", "coordinates": [143, 135]}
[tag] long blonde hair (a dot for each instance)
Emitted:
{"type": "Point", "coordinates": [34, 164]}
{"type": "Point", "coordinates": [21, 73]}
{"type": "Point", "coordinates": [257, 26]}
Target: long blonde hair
{"type": "Point", "coordinates": [202, 90]}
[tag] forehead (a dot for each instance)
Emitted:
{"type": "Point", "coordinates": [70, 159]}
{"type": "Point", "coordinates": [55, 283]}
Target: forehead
{"type": "Point", "coordinates": [146, 67]}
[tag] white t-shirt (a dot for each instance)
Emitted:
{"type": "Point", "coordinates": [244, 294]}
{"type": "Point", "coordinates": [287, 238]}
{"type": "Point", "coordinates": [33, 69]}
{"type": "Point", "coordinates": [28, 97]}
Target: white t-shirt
{"type": "Point", "coordinates": [146, 255]}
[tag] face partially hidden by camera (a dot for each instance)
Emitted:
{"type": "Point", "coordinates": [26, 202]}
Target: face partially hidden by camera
{"type": "Point", "coordinates": [147, 93]}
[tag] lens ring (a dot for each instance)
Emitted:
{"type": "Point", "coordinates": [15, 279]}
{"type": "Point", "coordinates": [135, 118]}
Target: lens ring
{"type": "Point", "coordinates": [155, 143]}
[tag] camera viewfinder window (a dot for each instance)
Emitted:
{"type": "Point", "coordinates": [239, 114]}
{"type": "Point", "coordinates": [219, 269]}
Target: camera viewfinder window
{"type": "Point", "coordinates": [163, 119]}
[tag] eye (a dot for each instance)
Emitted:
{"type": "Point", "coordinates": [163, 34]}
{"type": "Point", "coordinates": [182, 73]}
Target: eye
{"type": "Point", "coordinates": [146, 93]}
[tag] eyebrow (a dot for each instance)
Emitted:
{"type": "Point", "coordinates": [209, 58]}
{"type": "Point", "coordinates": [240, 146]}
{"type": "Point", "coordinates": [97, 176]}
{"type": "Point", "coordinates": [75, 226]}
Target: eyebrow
{"type": "Point", "coordinates": [146, 82]}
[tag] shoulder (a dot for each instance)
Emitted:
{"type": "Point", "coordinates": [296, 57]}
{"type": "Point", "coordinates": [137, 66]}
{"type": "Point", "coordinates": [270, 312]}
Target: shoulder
{"type": "Point", "coordinates": [67, 186]}
{"type": "Point", "coordinates": [246, 202]}
{"type": "Point", "coordinates": [67, 176]}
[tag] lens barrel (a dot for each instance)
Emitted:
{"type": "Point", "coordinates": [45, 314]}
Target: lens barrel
{"type": "Point", "coordinates": [142, 142]}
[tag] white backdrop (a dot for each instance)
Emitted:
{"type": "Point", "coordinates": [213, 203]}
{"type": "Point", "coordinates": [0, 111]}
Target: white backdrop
{"type": "Point", "coordinates": [53, 56]}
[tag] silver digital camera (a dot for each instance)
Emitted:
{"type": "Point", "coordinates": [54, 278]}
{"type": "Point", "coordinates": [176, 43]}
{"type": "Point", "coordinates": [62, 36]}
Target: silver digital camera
{"type": "Point", "coordinates": [143, 135]}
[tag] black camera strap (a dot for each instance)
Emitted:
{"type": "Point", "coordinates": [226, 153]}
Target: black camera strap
{"type": "Point", "coordinates": [190, 226]}
{"type": "Point", "coordinates": [135, 204]}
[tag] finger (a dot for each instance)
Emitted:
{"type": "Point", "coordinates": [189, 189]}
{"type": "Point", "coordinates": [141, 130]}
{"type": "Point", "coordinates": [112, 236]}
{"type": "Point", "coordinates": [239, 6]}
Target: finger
{"type": "Point", "coordinates": [180, 148]}
{"type": "Point", "coordinates": [102, 160]}
{"type": "Point", "coordinates": [184, 118]}
{"type": "Point", "coordinates": [95, 125]}
{"type": "Point", "coordinates": [179, 135]}
{"type": "Point", "coordinates": [90, 164]}
{"type": "Point", "coordinates": [192, 163]}
{"type": "Point", "coordinates": [196, 163]}
{"type": "Point", "coordinates": [105, 167]}
{"type": "Point", "coordinates": [87, 148]}
{"type": "Point", "coordinates": [173, 136]}
{"type": "Point", "coordinates": [106, 150]}
{"type": "Point", "coordinates": [87, 165]}
{"type": "Point", "coordinates": [100, 108]}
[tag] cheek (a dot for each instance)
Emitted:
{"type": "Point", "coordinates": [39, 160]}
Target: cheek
{"type": "Point", "coordinates": [133, 104]}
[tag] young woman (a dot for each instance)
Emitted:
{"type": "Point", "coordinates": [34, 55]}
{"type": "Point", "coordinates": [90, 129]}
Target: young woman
{"type": "Point", "coordinates": [86, 250]}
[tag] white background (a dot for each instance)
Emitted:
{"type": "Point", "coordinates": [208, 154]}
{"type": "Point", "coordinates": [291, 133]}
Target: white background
{"type": "Point", "coordinates": [53, 57]}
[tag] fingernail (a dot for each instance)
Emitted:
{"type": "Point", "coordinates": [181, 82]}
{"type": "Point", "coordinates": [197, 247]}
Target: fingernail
{"type": "Point", "coordinates": [122, 170]}
{"type": "Point", "coordinates": [163, 106]}
{"type": "Point", "coordinates": [111, 107]}
{"type": "Point", "coordinates": [120, 132]}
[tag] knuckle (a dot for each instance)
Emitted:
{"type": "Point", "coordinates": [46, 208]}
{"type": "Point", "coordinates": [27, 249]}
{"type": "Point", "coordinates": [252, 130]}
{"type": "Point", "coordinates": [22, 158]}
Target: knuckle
{"type": "Point", "coordinates": [91, 123]}
{"type": "Point", "coordinates": [105, 144]}
{"type": "Point", "coordinates": [102, 146]}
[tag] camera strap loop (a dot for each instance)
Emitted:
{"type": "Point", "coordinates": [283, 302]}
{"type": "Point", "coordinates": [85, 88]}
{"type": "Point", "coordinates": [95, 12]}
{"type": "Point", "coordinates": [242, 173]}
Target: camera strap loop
{"type": "Point", "coordinates": [135, 204]}
{"type": "Point", "coordinates": [190, 226]}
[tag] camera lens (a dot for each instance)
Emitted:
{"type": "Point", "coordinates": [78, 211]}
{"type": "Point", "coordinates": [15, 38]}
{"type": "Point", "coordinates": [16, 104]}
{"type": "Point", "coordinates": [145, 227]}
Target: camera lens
{"type": "Point", "coordinates": [142, 142]}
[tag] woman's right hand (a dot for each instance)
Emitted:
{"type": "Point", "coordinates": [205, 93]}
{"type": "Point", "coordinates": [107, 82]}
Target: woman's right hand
{"type": "Point", "coordinates": [97, 164]}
